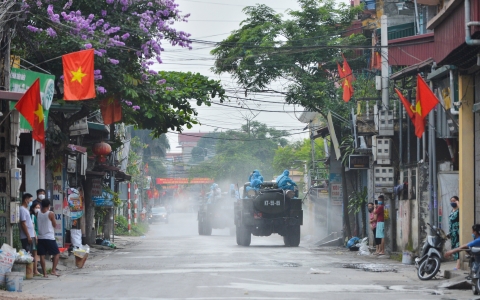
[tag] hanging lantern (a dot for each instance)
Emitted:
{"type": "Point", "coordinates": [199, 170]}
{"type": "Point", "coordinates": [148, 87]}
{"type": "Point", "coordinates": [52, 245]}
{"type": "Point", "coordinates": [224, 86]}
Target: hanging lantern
{"type": "Point", "coordinates": [101, 150]}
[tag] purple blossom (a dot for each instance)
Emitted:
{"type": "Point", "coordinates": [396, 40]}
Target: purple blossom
{"type": "Point", "coordinates": [88, 46]}
{"type": "Point", "coordinates": [162, 81]}
{"type": "Point", "coordinates": [113, 61]}
{"type": "Point", "coordinates": [169, 88]}
{"type": "Point", "coordinates": [51, 32]}
{"type": "Point", "coordinates": [125, 36]}
{"type": "Point", "coordinates": [104, 13]}
{"type": "Point", "coordinates": [129, 103]}
{"type": "Point", "coordinates": [68, 4]}
{"type": "Point", "coordinates": [32, 28]}
{"type": "Point", "coordinates": [98, 53]}
{"type": "Point", "coordinates": [97, 77]}
{"type": "Point", "coordinates": [101, 90]}
{"type": "Point", "coordinates": [135, 107]}
{"type": "Point", "coordinates": [61, 77]}
{"type": "Point", "coordinates": [152, 72]}
{"type": "Point", "coordinates": [109, 1]}
{"type": "Point", "coordinates": [97, 72]}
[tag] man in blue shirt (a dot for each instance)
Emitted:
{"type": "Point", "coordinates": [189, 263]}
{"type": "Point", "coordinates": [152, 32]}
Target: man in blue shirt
{"type": "Point", "coordinates": [474, 243]}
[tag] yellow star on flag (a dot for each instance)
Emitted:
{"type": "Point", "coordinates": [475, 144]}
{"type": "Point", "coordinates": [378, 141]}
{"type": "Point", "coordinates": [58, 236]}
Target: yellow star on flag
{"type": "Point", "coordinates": [39, 113]}
{"type": "Point", "coordinates": [78, 75]}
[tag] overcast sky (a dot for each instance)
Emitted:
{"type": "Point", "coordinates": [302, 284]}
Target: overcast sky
{"type": "Point", "coordinates": [214, 20]}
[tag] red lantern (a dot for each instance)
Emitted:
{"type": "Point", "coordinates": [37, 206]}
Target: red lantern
{"type": "Point", "coordinates": [102, 149]}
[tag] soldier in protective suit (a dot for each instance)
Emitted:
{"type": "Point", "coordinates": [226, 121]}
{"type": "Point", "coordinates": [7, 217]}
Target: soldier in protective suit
{"type": "Point", "coordinates": [284, 182]}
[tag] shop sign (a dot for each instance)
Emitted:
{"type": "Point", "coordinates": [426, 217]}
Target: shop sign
{"type": "Point", "coordinates": [57, 204]}
{"type": "Point", "coordinates": [21, 80]}
{"type": "Point", "coordinates": [184, 180]}
{"type": "Point", "coordinates": [359, 162]}
{"type": "Point", "coordinates": [336, 193]}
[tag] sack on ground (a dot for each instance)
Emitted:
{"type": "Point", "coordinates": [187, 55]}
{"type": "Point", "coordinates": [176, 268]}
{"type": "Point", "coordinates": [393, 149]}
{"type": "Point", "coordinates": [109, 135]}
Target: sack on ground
{"type": "Point", "coordinates": [7, 258]}
{"type": "Point", "coordinates": [76, 236]}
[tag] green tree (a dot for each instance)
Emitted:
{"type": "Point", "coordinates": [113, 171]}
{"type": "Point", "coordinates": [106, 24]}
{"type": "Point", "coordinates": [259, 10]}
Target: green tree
{"type": "Point", "coordinates": [302, 48]}
{"type": "Point", "coordinates": [297, 154]}
{"type": "Point", "coordinates": [238, 153]}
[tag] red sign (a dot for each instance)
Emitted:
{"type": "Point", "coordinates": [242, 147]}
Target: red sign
{"type": "Point", "coordinates": [183, 180]}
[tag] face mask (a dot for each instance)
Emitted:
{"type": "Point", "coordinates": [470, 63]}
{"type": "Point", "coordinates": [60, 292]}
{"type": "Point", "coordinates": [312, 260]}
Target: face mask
{"type": "Point", "coordinates": [370, 209]}
{"type": "Point", "coordinates": [41, 197]}
{"type": "Point", "coordinates": [473, 236]}
{"type": "Point", "coordinates": [453, 204]}
{"type": "Point", "coordinates": [29, 204]}
{"type": "Point", "coordinates": [380, 202]}
{"type": "Point", "coordinates": [37, 210]}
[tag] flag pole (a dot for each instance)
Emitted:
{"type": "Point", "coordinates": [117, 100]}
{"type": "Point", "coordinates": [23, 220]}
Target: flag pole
{"type": "Point", "coordinates": [6, 117]}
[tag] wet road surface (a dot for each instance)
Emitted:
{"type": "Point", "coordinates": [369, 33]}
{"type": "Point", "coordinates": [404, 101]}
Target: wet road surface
{"type": "Point", "coordinates": [174, 262]}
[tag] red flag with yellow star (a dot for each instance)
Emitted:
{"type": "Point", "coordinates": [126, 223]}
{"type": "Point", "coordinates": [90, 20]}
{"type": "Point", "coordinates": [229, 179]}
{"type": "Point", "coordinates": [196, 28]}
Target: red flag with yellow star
{"type": "Point", "coordinates": [78, 75]}
{"type": "Point", "coordinates": [30, 106]}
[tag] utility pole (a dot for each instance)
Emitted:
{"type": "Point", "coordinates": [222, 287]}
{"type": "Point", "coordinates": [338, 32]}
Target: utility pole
{"type": "Point", "coordinates": [385, 73]}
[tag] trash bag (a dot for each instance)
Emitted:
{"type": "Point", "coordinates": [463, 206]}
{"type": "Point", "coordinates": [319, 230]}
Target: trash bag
{"type": "Point", "coordinates": [81, 251]}
{"type": "Point", "coordinates": [76, 237]}
{"type": "Point", "coordinates": [23, 257]}
{"type": "Point", "coordinates": [352, 242]}
{"type": "Point", "coordinates": [363, 247]}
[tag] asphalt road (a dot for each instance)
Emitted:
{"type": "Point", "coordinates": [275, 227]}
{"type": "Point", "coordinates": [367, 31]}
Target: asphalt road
{"type": "Point", "coordinates": [174, 262]}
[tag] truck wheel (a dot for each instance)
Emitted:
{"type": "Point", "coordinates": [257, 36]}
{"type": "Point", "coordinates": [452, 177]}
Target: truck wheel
{"type": "Point", "coordinates": [292, 236]}
{"type": "Point", "coordinates": [244, 237]}
{"type": "Point", "coordinates": [200, 228]}
{"type": "Point", "coordinates": [207, 229]}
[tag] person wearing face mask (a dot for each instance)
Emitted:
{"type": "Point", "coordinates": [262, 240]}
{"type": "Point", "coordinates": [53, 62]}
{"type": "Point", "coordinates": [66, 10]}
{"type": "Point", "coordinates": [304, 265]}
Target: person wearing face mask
{"type": "Point", "coordinates": [453, 220]}
{"type": "Point", "coordinates": [40, 195]}
{"type": "Point", "coordinates": [373, 226]}
{"type": "Point", "coordinates": [379, 217]}
{"type": "Point", "coordinates": [474, 243]}
{"type": "Point", "coordinates": [27, 232]}
{"type": "Point", "coordinates": [34, 210]}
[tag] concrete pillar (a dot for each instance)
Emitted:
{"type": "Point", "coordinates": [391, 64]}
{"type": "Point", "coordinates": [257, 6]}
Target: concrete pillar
{"type": "Point", "coordinates": [466, 158]}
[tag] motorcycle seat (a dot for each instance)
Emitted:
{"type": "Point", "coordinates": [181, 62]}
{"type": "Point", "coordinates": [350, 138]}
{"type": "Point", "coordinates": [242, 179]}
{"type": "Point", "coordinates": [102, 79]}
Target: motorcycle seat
{"type": "Point", "coordinates": [475, 249]}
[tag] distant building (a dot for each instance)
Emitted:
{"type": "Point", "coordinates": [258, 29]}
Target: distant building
{"type": "Point", "coordinates": [187, 142]}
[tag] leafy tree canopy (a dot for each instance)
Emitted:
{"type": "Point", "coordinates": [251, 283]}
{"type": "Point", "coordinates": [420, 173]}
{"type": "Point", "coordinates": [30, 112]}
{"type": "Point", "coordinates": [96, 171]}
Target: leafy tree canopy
{"type": "Point", "coordinates": [240, 152]}
{"type": "Point", "coordinates": [297, 154]}
{"type": "Point", "coordinates": [127, 37]}
{"type": "Point", "coordinates": [302, 49]}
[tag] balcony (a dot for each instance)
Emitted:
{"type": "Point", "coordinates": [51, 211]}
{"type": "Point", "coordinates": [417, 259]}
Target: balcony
{"type": "Point", "coordinates": [400, 31]}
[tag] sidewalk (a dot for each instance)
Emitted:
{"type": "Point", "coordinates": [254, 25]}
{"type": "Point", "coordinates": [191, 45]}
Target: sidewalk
{"type": "Point", "coordinates": [66, 266]}
{"type": "Point", "coordinates": [445, 278]}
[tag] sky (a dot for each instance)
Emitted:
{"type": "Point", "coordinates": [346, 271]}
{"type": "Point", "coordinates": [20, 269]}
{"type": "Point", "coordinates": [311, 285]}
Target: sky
{"type": "Point", "coordinates": [214, 20]}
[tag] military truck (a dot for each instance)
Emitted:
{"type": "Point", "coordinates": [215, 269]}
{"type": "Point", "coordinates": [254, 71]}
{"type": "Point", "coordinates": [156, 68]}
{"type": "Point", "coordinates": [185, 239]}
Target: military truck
{"type": "Point", "coordinates": [215, 213]}
{"type": "Point", "coordinates": [266, 211]}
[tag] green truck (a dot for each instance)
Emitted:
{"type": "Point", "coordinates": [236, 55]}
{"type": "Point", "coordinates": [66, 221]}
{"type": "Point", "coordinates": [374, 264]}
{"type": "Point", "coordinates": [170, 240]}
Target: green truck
{"type": "Point", "coordinates": [266, 211]}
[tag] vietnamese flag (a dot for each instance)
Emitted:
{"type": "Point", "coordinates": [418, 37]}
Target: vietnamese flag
{"type": "Point", "coordinates": [30, 106]}
{"type": "Point", "coordinates": [78, 77]}
{"type": "Point", "coordinates": [407, 104]}
{"type": "Point", "coordinates": [426, 101]}
{"type": "Point", "coordinates": [346, 74]}
{"type": "Point", "coordinates": [111, 110]}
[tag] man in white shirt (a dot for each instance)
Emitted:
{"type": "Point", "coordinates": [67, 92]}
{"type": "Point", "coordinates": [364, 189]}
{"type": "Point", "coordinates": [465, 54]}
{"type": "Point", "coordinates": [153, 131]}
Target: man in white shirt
{"type": "Point", "coordinates": [27, 231]}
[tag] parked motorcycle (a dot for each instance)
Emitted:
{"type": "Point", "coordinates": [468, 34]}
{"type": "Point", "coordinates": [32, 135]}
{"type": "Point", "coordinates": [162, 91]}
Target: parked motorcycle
{"type": "Point", "coordinates": [428, 264]}
{"type": "Point", "coordinates": [473, 254]}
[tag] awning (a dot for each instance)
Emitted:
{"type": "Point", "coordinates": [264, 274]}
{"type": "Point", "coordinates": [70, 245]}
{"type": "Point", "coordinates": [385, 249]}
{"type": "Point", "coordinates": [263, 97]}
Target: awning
{"type": "Point", "coordinates": [99, 127]}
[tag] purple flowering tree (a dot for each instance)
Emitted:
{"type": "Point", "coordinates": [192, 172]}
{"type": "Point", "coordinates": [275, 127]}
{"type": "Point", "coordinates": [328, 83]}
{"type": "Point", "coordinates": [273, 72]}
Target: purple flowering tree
{"type": "Point", "coordinates": [127, 36]}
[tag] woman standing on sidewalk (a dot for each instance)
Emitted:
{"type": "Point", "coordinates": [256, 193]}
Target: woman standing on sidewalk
{"type": "Point", "coordinates": [453, 219]}
{"type": "Point", "coordinates": [373, 226]}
